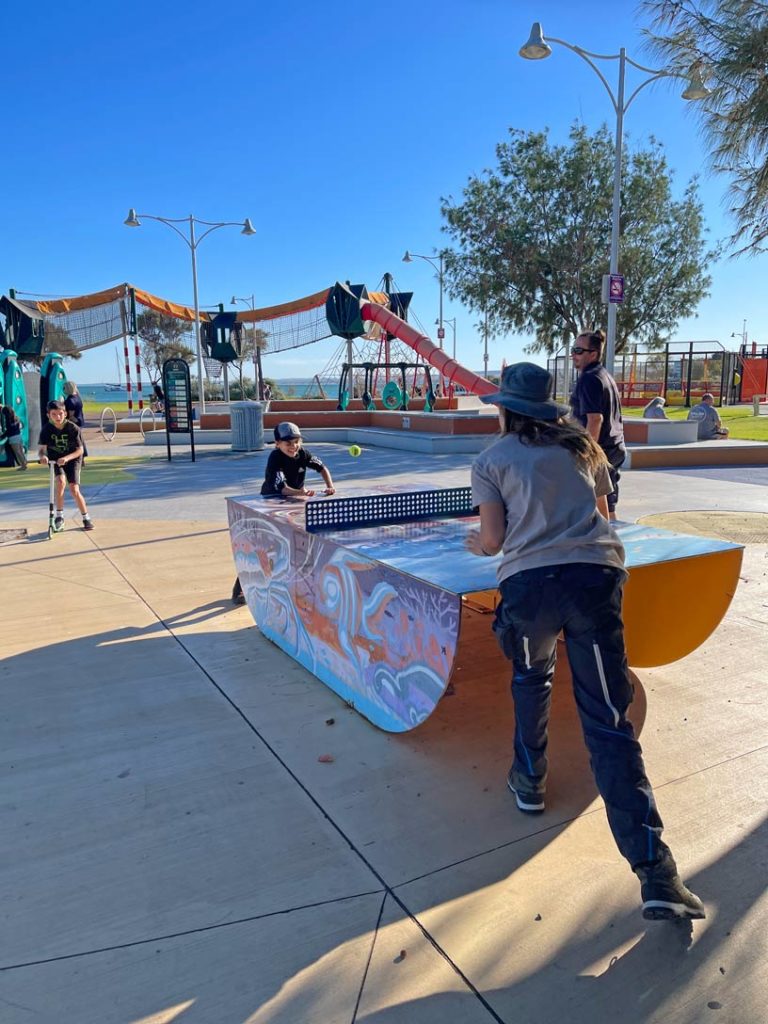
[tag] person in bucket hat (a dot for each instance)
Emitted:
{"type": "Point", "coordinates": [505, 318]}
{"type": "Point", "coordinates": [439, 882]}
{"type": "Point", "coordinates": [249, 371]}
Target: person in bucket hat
{"type": "Point", "coordinates": [541, 491]}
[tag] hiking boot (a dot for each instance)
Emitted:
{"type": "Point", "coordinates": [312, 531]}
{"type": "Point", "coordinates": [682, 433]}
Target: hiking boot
{"type": "Point", "coordinates": [87, 524]}
{"type": "Point", "coordinates": [530, 800]}
{"type": "Point", "coordinates": [664, 895]}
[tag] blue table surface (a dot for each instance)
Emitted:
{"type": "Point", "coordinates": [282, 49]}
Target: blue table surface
{"type": "Point", "coordinates": [433, 550]}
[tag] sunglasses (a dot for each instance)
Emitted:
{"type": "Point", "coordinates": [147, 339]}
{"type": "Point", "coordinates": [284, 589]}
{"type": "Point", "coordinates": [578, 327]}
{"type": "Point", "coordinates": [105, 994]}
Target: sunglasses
{"type": "Point", "coordinates": [577, 350]}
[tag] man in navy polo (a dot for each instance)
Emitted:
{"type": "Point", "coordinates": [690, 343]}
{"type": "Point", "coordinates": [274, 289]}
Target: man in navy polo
{"type": "Point", "coordinates": [596, 405]}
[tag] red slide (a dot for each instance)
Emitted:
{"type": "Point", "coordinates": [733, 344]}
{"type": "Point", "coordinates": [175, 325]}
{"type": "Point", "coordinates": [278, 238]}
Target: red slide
{"type": "Point", "coordinates": [447, 367]}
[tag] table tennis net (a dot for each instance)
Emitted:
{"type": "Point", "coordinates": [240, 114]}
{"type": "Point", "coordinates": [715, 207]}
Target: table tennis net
{"type": "Point", "coordinates": [377, 509]}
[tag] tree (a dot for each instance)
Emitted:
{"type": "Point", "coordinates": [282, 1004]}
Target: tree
{"type": "Point", "coordinates": [727, 41]}
{"type": "Point", "coordinates": [162, 337]}
{"type": "Point", "coordinates": [253, 339]}
{"type": "Point", "coordinates": [56, 340]}
{"type": "Point", "coordinates": [533, 241]}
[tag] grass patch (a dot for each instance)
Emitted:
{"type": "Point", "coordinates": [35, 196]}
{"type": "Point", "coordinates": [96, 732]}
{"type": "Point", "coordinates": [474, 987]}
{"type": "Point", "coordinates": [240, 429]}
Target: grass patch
{"type": "Point", "coordinates": [109, 469]}
{"type": "Point", "coordinates": [742, 424]}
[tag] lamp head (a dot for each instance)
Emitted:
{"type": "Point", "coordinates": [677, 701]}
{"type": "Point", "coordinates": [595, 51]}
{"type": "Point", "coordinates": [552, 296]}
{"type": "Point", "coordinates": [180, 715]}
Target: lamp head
{"type": "Point", "coordinates": [407, 258]}
{"type": "Point", "coordinates": [248, 228]}
{"type": "Point", "coordinates": [132, 221]}
{"type": "Point", "coordinates": [537, 48]}
{"type": "Point", "coordinates": [233, 301]}
{"type": "Point", "coordinates": [696, 89]}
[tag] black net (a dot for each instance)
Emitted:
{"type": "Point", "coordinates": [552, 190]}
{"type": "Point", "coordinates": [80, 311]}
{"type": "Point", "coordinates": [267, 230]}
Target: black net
{"type": "Point", "coordinates": [378, 509]}
{"type": "Point", "coordinates": [81, 328]}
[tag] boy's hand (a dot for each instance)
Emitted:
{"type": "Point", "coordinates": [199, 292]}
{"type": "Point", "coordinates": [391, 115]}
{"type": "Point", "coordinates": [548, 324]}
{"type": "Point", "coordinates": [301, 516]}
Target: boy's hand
{"type": "Point", "coordinates": [43, 460]}
{"type": "Point", "coordinates": [308, 493]}
{"type": "Point", "coordinates": [330, 489]}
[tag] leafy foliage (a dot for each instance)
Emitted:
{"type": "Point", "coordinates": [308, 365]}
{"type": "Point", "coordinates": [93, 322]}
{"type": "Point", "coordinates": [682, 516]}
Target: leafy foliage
{"type": "Point", "coordinates": [162, 337]}
{"type": "Point", "coordinates": [727, 41]}
{"type": "Point", "coordinates": [56, 340]}
{"type": "Point", "coordinates": [253, 339]}
{"type": "Point", "coordinates": [533, 241]}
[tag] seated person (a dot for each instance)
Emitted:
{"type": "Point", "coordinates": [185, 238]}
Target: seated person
{"type": "Point", "coordinates": [655, 410]}
{"type": "Point", "coordinates": [706, 415]}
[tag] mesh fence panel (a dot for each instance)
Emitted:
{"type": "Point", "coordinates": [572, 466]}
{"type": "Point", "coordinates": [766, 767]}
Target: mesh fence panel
{"type": "Point", "coordinates": [87, 321]}
{"type": "Point", "coordinates": [82, 328]}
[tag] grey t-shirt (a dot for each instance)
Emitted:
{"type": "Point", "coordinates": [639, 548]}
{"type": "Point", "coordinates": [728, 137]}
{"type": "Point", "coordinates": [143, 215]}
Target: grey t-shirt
{"type": "Point", "coordinates": [549, 496]}
{"type": "Point", "coordinates": [708, 420]}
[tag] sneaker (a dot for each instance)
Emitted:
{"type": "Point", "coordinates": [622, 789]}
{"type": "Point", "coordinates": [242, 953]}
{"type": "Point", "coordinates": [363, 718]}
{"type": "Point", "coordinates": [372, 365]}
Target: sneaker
{"type": "Point", "coordinates": [529, 800]}
{"type": "Point", "coordinates": [238, 597]}
{"type": "Point", "coordinates": [58, 523]}
{"type": "Point", "coordinates": [87, 524]}
{"type": "Point", "coordinates": [664, 895]}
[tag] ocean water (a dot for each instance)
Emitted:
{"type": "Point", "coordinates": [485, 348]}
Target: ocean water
{"type": "Point", "coordinates": [104, 394]}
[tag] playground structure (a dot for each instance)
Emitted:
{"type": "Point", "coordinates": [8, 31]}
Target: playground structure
{"type": "Point", "coordinates": [374, 371]}
{"type": "Point", "coordinates": [13, 394]}
{"type": "Point", "coordinates": [368, 591]}
{"type": "Point", "coordinates": [345, 310]}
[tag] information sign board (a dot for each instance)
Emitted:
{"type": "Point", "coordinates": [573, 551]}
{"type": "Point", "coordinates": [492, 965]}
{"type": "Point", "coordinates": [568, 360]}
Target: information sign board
{"type": "Point", "coordinates": [178, 402]}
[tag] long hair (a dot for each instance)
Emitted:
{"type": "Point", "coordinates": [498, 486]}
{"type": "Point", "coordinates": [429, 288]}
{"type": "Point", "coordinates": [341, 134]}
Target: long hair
{"type": "Point", "coordinates": [570, 436]}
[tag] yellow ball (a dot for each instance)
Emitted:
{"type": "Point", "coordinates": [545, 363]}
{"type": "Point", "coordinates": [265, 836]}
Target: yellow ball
{"type": "Point", "coordinates": [355, 450]}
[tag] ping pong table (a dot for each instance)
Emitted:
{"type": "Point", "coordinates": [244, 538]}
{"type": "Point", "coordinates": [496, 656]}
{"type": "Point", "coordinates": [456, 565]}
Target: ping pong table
{"type": "Point", "coordinates": [373, 607]}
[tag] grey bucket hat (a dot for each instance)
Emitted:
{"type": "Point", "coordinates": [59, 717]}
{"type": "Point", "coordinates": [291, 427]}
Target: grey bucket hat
{"type": "Point", "coordinates": [527, 389]}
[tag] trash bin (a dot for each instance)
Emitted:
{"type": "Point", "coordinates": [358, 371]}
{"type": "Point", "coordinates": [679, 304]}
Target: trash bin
{"type": "Point", "coordinates": [247, 421]}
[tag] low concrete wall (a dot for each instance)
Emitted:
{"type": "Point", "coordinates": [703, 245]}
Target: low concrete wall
{"type": "Point", "coordinates": [660, 432]}
{"type": "Point", "coordinates": [469, 421]}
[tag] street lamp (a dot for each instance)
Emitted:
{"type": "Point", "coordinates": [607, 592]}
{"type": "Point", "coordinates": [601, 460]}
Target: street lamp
{"type": "Point", "coordinates": [538, 48]}
{"type": "Point", "coordinates": [409, 258]}
{"type": "Point", "coordinates": [251, 303]}
{"type": "Point", "coordinates": [132, 221]}
{"type": "Point", "coordinates": [452, 322]}
{"type": "Point", "coordinates": [741, 334]}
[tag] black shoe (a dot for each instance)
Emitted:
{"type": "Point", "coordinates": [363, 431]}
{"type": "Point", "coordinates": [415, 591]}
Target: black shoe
{"type": "Point", "coordinates": [87, 524]}
{"type": "Point", "coordinates": [529, 800]}
{"type": "Point", "coordinates": [58, 524]}
{"type": "Point", "coordinates": [664, 895]}
{"type": "Point", "coordinates": [238, 597]}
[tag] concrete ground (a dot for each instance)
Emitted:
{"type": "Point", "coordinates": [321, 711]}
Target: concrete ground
{"type": "Point", "coordinates": [173, 850]}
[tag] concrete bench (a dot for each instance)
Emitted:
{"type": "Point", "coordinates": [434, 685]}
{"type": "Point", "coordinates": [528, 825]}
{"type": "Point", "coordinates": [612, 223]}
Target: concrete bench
{"type": "Point", "coordinates": [660, 432]}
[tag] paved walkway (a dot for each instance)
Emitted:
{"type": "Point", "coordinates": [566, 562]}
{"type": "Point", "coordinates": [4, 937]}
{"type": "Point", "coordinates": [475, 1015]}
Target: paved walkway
{"type": "Point", "coordinates": [173, 850]}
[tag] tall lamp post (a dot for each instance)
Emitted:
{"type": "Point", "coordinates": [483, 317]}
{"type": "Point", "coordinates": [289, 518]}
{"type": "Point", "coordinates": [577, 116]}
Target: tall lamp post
{"type": "Point", "coordinates": [538, 48]}
{"type": "Point", "coordinates": [409, 257]}
{"type": "Point", "coordinates": [452, 322]}
{"type": "Point", "coordinates": [250, 302]}
{"type": "Point", "coordinates": [132, 221]}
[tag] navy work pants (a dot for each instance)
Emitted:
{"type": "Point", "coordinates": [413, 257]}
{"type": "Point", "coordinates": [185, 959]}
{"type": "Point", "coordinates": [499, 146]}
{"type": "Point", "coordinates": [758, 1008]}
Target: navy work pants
{"type": "Point", "coordinates": [584, 602]}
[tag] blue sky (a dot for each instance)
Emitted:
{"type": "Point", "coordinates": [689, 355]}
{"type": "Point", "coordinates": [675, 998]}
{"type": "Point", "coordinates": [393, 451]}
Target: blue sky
{"type": "Point", "coordinates": [335, 127]}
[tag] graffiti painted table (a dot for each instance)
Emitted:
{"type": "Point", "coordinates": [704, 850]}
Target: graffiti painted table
{"type": "Point", "coordinates": [375, 611]}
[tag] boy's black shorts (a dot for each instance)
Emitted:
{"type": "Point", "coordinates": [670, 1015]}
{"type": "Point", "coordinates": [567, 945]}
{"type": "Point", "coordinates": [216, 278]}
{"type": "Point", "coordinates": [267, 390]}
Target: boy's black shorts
{"type": "Point", "coordinates": [71, 470]}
